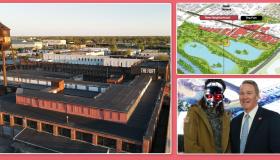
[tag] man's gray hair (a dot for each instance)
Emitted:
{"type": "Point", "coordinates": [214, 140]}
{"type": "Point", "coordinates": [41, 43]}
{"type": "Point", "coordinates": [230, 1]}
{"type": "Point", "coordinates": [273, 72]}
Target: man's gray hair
{"type": "Point", "coordinates": [253, 83]}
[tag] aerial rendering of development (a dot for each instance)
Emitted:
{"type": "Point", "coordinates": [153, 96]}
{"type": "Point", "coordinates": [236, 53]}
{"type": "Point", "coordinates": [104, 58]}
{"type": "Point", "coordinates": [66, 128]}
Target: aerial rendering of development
{"type": "Point", "coordinates": [82, 83]}
{"type": "Point", "coordinates": [228, 38]}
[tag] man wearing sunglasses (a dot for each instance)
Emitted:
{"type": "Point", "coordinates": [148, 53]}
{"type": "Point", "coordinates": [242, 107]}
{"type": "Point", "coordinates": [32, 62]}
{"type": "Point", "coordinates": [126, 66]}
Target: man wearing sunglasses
{"type": "Point", "coordinates": [206, 126]}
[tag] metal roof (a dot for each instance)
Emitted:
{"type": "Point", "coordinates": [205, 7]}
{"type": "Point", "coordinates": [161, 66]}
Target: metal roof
{"type": "Point", "coordinates": [52, 76]}
{"type": "Point", "coordinates": [57, 143]}
{"type": "Point", "coordinates": [134, 129]}
{"type": "Point", "coordinates": [2, 26]}
{"type": "Point", "coordinates": [66, 91]}
{"type": "Point", "coordinates": [154, 64]}
{"type": "Point", "coordinates": [118, 98]}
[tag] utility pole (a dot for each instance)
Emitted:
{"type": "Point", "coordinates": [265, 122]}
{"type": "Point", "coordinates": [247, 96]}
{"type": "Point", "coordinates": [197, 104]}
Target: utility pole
{"type": "Point", "coordinates": [4, 68]}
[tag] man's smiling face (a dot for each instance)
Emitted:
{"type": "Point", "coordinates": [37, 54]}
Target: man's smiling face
{"type": "Point", "coordinates": [248, 97]}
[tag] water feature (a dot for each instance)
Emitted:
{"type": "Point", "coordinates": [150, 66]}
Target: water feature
{"type": "Point", "coordinates": [252, 52]}
{"type": "Point", "coordinates": [196, 70]}
{"type": "Point", "coordinates": [218, 63]}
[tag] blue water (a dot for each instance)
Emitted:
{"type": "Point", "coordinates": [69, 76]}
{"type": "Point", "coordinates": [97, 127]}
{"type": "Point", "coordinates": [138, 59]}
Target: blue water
{"type": "Point", "coordinates": [203, 52]}
{"type": "Point", "coordinates": [196, 70]}
{"type": "Point", "coordinates": [253, 53]}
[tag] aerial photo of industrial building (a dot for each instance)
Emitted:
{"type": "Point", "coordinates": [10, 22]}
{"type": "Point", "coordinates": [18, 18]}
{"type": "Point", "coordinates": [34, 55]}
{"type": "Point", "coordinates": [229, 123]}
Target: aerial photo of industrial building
{"type": "Point", "coordinates": [79, 103]}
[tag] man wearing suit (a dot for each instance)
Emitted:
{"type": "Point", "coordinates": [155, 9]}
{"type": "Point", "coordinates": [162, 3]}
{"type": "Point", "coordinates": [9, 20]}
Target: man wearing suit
{"type": "Point", "coordinates": [257, 130]}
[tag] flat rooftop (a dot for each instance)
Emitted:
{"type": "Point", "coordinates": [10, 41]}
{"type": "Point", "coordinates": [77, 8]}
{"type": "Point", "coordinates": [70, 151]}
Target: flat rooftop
{"type": "Point", "coordinates": [52, 76]}
{"type": "Point", "coordinates": [161, 64]}
{"type": "Point", "coordinates": [57, 144]}
{"type": "Point", "coordinates": [39, 73]}
{"type": "Point", "coordinates": [66, 91]}
{"type": "Point", "coordinates": [118, 98]}
{"type": "Point", "coordinates": [133, 130]}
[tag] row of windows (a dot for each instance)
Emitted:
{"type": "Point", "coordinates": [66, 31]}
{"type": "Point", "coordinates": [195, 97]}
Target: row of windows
{"type": "Point", "coordinates": [112, 143]}
{"type": "Point", "coordinates": [71, 109]}
{"type": "Point", "coordinates": [89, 59]}
{"type": "Point", "coordinates": [82, 136]}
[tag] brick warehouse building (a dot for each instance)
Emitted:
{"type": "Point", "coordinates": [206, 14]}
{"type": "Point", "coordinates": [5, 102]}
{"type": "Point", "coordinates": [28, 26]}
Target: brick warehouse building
{"type": "Point", "coordinates": [122, 117]}
{"type": "Point", "coordinates": [100, 73]}
{"type": "Point", "coordinates": [106, 106]}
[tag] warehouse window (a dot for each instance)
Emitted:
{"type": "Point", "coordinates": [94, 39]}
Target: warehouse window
{"type": "Point", "coordinates": [47, 128]}
{"type": "Point", "coordinates": [84, 136]}
{"type": "Point", "coordinates": [64, 132]}
{"type": "Point", "coordinates": [6, 118]}
{"type": "Point", "coordinates": [111, 143]}
{"type": "Point", "coordinates": [133, 148]}
{"type": "Point", "coordinates": [18, 121]}
{"type": "Point", "coordinates": [32, 124]}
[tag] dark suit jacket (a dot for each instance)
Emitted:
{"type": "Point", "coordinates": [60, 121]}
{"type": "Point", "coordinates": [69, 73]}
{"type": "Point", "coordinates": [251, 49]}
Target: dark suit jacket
{"type": "Point", "coordinates": [264, 134]}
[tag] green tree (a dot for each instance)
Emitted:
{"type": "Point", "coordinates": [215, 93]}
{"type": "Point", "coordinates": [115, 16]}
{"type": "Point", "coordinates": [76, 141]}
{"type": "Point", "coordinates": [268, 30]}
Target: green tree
{"type": "Point", "coordinates": [141, 46]}
{"type": "Point", "coordinates": [128, 52]}
{"type": "Point", "coordinates": [114, 48]}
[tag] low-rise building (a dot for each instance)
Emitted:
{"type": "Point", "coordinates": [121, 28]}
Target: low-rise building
{"type": "Point", "coordinates": [52, 42]}
{"type": "Point", "coordinates": [105, 51]}
{"type": "Point", "coordinates": [153, 53]}
{"type": "Point", "coordinates": [90, 60]}
{"type": "Point", "coordinates": [123, 117]}
{"type": "Point", "coordinates": [16, 44]}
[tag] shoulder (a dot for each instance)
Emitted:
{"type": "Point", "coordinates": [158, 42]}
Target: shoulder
{"type": "Point", "coordinates": [235, 119]}
{"type": "Point", "coordinates": [193, 112]}
{"type": "Point", "coordinates": [273, 117]}
{"type": "Point", "coordinates": [227, 114]}
{"type": "Point", "coordinates": [195, 109]}
{"type": "Point", "coordinates": [269, 113]}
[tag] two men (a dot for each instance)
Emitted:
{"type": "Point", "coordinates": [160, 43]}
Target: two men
{"type": "Point", "coordinates": [257, 130]}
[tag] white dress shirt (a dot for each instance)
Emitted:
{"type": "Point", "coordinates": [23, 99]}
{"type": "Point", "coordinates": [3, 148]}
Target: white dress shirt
{"type": "Point", "coordinates": [252, 114]}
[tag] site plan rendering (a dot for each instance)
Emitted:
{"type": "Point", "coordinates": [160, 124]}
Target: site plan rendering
{"type": "Point", "coordinates": [228, 38]}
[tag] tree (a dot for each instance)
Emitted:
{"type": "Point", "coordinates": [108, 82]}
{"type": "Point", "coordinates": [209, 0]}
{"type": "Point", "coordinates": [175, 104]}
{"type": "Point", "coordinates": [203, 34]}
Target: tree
{"type": "Point", "coordinates": [39, 56]}
{"type": "Point", "coordinates": [162, 57]}
{"type": "Point", "coordinates": [114, 48]}
{"type": "Point", "coordinates": [141, 46]}
{"type": "Point", "coordinates": [128, 52]}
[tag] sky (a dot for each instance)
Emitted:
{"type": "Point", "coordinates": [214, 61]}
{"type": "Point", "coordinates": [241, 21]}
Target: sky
{"type": "Point", "coordinates": [86, 19]}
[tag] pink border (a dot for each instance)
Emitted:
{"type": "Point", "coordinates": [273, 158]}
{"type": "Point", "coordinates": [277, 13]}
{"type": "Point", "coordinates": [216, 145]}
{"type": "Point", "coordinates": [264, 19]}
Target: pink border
{"type": "Point", "coordinates": [174, 91]}
{"type": "Point", "coordinates": [173, 154]}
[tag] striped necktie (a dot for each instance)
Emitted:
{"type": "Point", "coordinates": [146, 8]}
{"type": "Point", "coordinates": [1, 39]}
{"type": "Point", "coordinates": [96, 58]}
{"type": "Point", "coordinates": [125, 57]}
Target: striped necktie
{"type": "Point", "coordinates": [244, 133]}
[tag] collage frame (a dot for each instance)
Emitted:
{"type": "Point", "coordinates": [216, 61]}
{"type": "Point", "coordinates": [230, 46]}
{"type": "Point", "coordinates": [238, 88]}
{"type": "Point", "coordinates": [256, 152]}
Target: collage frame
{"type": "Point", "coordinates": [174, 99]}
{"type": "Point", "coordinates": [194, 76]}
